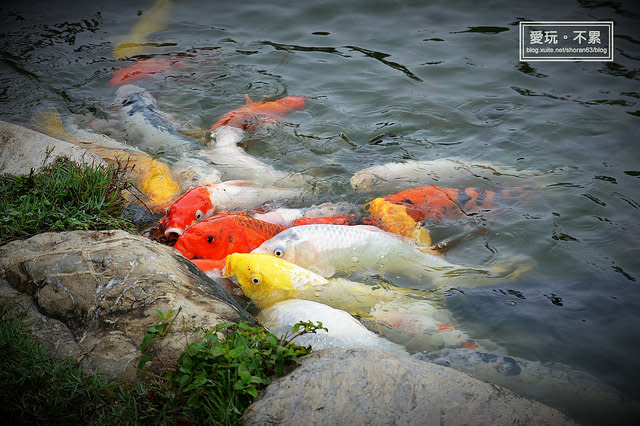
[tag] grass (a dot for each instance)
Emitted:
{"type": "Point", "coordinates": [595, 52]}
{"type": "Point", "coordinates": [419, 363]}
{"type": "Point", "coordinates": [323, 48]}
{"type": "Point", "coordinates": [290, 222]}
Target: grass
{"type": "Point", "coordinates": [214, 381]}
{"type": "Point", "coordinates": [62, 196]}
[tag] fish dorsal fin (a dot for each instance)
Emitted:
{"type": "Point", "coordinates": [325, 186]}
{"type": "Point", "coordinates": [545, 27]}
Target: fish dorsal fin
{"type": "Point", "coordinates": [49, 121]}
{"type": "Point", "coordinates": [248, 99]}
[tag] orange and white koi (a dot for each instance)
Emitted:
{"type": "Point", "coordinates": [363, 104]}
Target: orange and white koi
{"type": "Point", "coordinates": [204, 201]}
{"type": "Point", "coordinates": [257, 113]}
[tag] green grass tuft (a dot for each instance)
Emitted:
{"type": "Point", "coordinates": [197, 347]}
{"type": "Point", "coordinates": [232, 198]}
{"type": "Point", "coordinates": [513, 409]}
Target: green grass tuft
{"type": "Point", "coordinates": [62, 196]}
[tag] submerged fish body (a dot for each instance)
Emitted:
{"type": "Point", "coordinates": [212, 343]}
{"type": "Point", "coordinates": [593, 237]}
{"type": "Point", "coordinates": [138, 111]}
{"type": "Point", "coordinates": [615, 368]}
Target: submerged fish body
{"type": "Point", "coordinates": [390, 177]}
{"type": "Point", "coordinates": [268, 280]}
{"type": "Point", "coordinates": [140, 69]}
{"type": "Point", "coordinates": [152, 177]}
{"type": "Point", "coordinates": [342, 330]}
{"type": "Point", "coordinates": [433, 203]}
{"type": "Point", "coordinates": [235, 163]}
{"type": "Point", "coordinates": [153, 20]}
{"type": "Point", "coordinates": [218, 236]}
{"type": "Point", "coordinates": [204, 201]}
{"type": "Point", "coordinates": [256, 113]}
{"type": "Point", "coordinates": [146, 124]}
{"type": "Point", "coordinates": [330, 249]}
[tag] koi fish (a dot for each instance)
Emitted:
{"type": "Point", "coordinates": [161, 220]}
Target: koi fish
{"type": "Point", "coordinates": [433, 202]}
{"type": "Point", "coordinates": [146, 124]}
{"type": "Point", "coordinates": [218, 236]}
{"type": "Point", "coordinates": [268, 280]}
{"type": "Point", "coordinates": [204, 201]}
{"type": "Point", "coordinates": [288, 217]}
{"type": "Point", "coordinates": [237, 164]}
{"type": "Point", "coordinates": [343, 219]}
{"type": "Point", "coordinates": [142, 68]}
{"type": "Point", "coordinates": [394, 218]}
{"type": "Point", "coordinates": [390, 177]}
{"type": "Point", "coordinates": [341, 329]}
{"type": "Point", "coordinates": [364, 249]}
{"type": "Point", "coordinates": [153, 20]}
{"type": "Point", "coordinates": [257, 113]}
{"type": "Point", "coordinates": [154, 178]}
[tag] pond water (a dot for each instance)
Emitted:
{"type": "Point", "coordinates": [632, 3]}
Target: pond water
{"type": "Point", "coordinates": [387, 81]}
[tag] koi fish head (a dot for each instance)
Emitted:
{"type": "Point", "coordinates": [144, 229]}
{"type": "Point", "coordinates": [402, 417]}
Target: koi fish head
{"type": "Point", "coordinates": [193, 206]}
{"type": "Point", "coordinates": [265, 279]}
{"type": "Point", "coordinates": [283, 246]}
{"type": "Point", "coordinates": [364, 181]}
{"type": "Point", "coordinates": [130, 94]}
{"type": "Point", "coordinates": [291, 103]}
{"type": "Point", "coordinates": [203, 240]}
{"type": "Point", "coordinates": [215, 238]}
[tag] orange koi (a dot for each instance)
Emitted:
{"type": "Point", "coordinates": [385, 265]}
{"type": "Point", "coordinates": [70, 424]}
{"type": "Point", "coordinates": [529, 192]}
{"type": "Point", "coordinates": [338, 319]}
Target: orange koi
{"type": "Point", "coordinates": [140, 69]}
{"type": "Point", "coordinates": [432, 202]}
{"type": "Point", "coordinates": [256, 113]}
{"type": "Point", "coordinates": [218, 236]}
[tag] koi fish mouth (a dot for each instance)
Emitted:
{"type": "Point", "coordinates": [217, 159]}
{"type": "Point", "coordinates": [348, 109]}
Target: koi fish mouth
{"type": "Point", "coordinates": [172, 233]}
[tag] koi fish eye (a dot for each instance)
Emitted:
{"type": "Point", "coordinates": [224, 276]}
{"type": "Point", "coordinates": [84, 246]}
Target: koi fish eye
{"type": "Point", "coordinates": [210, 239]}
{"type": "Point", "coordinates": [198, 214]}
{"type": "Point", "coordinates": [255, 280]}
{"type": "Point", "coordinates": [278, 252]}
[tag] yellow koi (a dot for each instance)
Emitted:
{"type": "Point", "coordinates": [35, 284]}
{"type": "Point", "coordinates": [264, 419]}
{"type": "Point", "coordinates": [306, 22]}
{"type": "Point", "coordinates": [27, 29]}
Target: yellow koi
{"type": "Point", "coordinates": [153, 20]}
{"type": "Point", "coordinates": [152, 177]}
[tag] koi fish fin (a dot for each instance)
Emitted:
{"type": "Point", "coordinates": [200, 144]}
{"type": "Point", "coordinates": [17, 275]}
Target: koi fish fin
{"type": "Point", "coordinates": [155, 19]}
{"type": "Point", "coordinates": [49, 121]}
{"type": "Point", "coordinates": [248, 99]}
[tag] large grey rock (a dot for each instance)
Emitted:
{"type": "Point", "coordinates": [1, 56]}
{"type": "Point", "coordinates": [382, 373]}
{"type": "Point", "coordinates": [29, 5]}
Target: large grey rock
{"type": "Point", "coordinates": [23, 149]}
{"type": "Point", "coordinates": [361, 386]}
{"type": "Point", "coordinates": [92, 294]}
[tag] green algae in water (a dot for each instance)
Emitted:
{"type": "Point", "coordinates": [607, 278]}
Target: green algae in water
{"type": "Point", "coordinates": [62, 196]}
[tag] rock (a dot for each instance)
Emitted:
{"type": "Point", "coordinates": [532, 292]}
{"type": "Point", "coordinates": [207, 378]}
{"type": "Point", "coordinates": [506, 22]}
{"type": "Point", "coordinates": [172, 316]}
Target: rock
{"type": "Point", "coordinates": [23, 149]}
{"type": "Point", "coordinates": [93, 294]}
{"type": "Point", "coordinates": [575, 392]}
{"type": "Point", "coordinates": [361, 386]}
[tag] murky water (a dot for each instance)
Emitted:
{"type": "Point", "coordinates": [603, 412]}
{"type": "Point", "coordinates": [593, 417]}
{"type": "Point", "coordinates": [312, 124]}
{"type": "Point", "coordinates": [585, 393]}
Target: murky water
{"type": "Point", "coordinates": [388, 81]}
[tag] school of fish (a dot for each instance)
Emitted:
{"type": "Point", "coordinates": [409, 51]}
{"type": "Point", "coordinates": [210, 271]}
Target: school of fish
{"type": "Point", "coordinates": [237, 216]}
{"type": "Point", "coordinates": [370, 272]}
